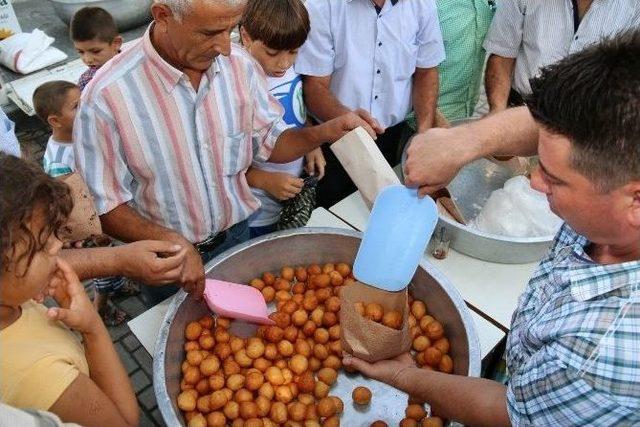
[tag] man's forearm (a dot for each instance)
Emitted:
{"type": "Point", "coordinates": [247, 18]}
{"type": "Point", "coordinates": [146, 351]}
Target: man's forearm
{"type": "Point", "coordinates": [319, 100]}
{"type": "Point", "coordinates": [425, 97]}
{"type": "Point", "coordinates": [126, 225]}
{"type": "Point", "coordinates": [498, 81]}
{"type": "Point", "coordinates": [91, 263]}
{"type": "Point", "coordinates": [470, 401]}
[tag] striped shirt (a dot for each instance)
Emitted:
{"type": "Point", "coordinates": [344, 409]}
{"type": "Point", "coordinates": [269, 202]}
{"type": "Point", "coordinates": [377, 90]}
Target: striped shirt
{"type": "Point", "coordinates": [177, 156]}
{"type": "Point", "coordinates": [541, 32]}
{"type": "Point", "coordinates": [59, 158]}
{"type": "Point", "coordinates": [573, 348]}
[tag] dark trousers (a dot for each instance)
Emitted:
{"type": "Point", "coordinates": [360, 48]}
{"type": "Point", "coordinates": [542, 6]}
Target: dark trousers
{"type": "Point", "coordinates": [239, 233]}
{"type": "Point", "coordinates": [336, 184]}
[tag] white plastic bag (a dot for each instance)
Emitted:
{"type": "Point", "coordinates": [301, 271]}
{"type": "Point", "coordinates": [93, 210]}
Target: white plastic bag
{"type": "Point", "coordinates": [28, 52]}
{"type": "Point", "coordinates": [517, 210]}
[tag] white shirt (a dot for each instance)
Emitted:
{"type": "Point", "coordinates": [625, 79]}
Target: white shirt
{"type": "Point", "coordinates": [540, 32]}
{"type": "Point", "coordinates": [8, 142]}
{"type": "Point", "coordinates": [371, 57]}
{"type": "Point", "coordinates": [59, 158]}
{"type": "Point", "coordinates": [288, 90]}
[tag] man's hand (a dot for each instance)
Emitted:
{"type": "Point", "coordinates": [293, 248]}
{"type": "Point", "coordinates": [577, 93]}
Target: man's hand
{"type": "Point", "coordinates": [153, 262]}
{"type": "Point", "coordinates": [387, 371]}
{"type": "Point", "coordinates": [283, 186]}
{"type": "Point", "coordinates": [341, 125]}
{"type": "Point", "coordinates": [315, 163]}
{"type": "Point", "coordinates": [434, 158]}
{"type": "Point", "coordinates": [191, 277]}
{"type": "Point", "coordinates": [76, 310]}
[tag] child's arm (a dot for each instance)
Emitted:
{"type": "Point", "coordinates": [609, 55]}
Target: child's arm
{"type": "Point", "coordinates": [315, 163]}
{"type": "Point", "coordinates": [105, 397]}
{"type": "Point", "coordinates": [280, 185]}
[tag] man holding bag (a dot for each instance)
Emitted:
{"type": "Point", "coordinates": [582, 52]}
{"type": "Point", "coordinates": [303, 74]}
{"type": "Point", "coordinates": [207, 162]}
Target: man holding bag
{"type": "Point", "coordinates": [572, 352]}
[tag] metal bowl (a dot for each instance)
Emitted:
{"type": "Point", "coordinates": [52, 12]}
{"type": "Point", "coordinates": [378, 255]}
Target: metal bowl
{"type": "Point", "coordinates": [470, 189]}
{"type": "Point", "coordinates": [306, 246]}
{"type": "Point", "coordinates": [127, 13]}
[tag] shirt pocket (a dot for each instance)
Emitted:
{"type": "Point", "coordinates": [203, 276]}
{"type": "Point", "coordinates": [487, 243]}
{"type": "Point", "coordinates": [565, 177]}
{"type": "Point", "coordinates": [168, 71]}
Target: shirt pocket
{"type": "Point", "coordinates": [236, 154]}
{"type": "Point", "coordinates": [406, 56]}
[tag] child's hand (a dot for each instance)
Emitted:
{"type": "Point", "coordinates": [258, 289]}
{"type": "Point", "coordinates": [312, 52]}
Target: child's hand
{"type": "Point", "coordinates": [283, 186]}
{"type": "Point", "coordinates": [315, 163]}
{"type": "Point", "coordinates": [76, 310]}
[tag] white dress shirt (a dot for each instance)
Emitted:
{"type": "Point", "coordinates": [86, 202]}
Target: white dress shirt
{"type": "Point", "coordinates": [540, 32]}
{"type": "Point", "coordinates": [371, 57]}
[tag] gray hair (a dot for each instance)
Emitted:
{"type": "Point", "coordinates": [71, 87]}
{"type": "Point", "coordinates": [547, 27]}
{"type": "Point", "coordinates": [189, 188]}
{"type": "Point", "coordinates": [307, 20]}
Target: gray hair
{"type": "Point", "coordinates": [180, 8]}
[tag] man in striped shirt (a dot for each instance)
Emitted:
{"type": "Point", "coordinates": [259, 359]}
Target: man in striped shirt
{"type": "Point", "coordinates": [526, 35]}
{"type": "Point", "coordinates": [167, 129]}
{"type": "Point", "coordinates": [572, 351]}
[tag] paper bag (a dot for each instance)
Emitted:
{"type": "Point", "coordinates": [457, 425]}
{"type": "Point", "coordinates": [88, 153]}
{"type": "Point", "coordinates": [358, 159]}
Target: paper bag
{"type": "Point", "coordinates": [365, 338]}
{"type": "Point", "coordinates": [365, 164]}
{"type": "Point", "coordinates": [83, 221]}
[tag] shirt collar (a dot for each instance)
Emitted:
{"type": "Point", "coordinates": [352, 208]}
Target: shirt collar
{"type": "Point", "coordinates": [393, 2]}
{"type": "Point", "coordinates": [589, 280]}
{"type": "Point", "coordinates": [168, 75]}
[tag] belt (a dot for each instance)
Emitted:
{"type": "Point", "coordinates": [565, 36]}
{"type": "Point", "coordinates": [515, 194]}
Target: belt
{"type": "Point", "coordinates": [211, 242]}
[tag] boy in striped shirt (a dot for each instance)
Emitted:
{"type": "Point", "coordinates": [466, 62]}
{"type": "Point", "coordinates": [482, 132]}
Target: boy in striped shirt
{"type": "Point", "coordinates": [56, 104]}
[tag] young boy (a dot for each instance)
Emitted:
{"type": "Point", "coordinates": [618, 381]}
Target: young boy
{"type": "Point", "coordinates": [95, 37]}
{"type": "Point", "coordinates": [273, 31]}
{"type": "Point", "coordinates": [56, 104]}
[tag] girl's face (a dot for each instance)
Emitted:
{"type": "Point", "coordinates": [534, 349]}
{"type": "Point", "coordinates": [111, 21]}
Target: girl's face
{"type": "Point", "coordinates": [22, 282]}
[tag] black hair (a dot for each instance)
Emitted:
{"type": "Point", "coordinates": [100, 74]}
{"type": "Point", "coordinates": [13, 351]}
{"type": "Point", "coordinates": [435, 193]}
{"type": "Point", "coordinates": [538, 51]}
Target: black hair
{"type": "Point", "coordinates": [91, 23]}
{"type": "Point", "coordinates": [279, 24]}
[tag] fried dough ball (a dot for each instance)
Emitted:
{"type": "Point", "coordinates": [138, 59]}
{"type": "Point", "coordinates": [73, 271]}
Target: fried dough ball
{"type": "Point", "coordinates": [253, 422]}
{"type": "Point", "coordinates": [302, 348]}
{"type": "Point", "coordinates": [268, 293]}
{"type": "Point", "coordinates": [273, 334]}
{"type": "Point", "coordinates": [193, 345]}
{"type": "Point", "coordinates": [334, 332]}
{"type": "Point", "coordinates": [446, 364]}
{"type": "Point", "coordinates": [415, 332]}
{"type": "Point", "coordinates": [192, 375]}
{"type": "Point", "coordinates": [235, 382]}
{"type": "Point", "coordinates": [320, 352]}
{"type": "Point", "coordinates": [332, 304]}
{"type": "Point", "coordinates": [329, 319]}
{"type": "Point", "coordinates": [392, 319]}
{"type": "Point", "coordinates": [216, 419]}
{"type": "Point", "coordinates": [361, 395]}
{"type": "Point", "coordinates": [228, 393]}
{"type": "Point", "coordinates": [321, 336]}
{"type": "Point", "coordinates": [316, 316]}
{"type": "Point", "coordinates": [337, 291]}
{"type": "Point", "coordinates": [326, 407]}
{"type": "Point", "coordinates": [443, 345]}
{"type": "Point", "coordinates": [254, 381]}
{"type": "Point", "coordinates": [248, 410]}
{"type": "Point", "coordinates": [291, 333]}
{"type": "Point", "coordinates": [408, 422]}
{"type": "Point", "coordinates": [349, 281]}
{"type": "Point", "coordinates": [379, 423]}
{"type": "Point", "coordinates": [336, 347]}
{"type": "Point", "coordinates": [420, 343]}
{"type": "Point", "coordinates": [192, 331]}
{"type": "Point", "coordinates": [285, 348]}
{"type": "Point", "coordinates": [209, 366]}
{"type": "Point", "coordinates": [243, 360]}
{"type": "Point", "coordinates": [322, 280]}
{"type": "Point", "coordinates": [298, 298]}
{"type": "Point", "coordinates": [267, 391]}
{"type": "Point", "coordinates": [328, 268]}
{"type": "Point", "coordinates": [264, 405]}
{"type": "Point", "coordinates": [309, 328]}
{"type": "Point", "coordinates": [418, 309]}
{"type": "Point", "coordinates": [432, 422]}
{"type": "Point", "coordinates": [314, 269]}
{"type": "Point", "coordinates": [306, 382]}
{"type": "Point", "coordinates": [216, 382]}
{"type": "Point", "coordinates": [314, 364]}
{"type": "Point", "coordinates": [218, 399]}
{"type": "Point", "coordinates": [257, 283]}
{"type": "Point", "coordinates": [420, 359]}
{"type": "Point", "coordinates": [310, 302]}
{"type": "Point", "coordinates": [197, 421]}
{"type": "Point", "coordinates": [282, 284]}
{"type": "Point", "coordinates": [274, 376]}
{"type": "Point", "coordinates": [373, 311]}
{"type": "Point", "coordinates": [287, 273]}
{"type": "Point", "coordinates": [328, 376]}
{"type": "Point", "coordinates": [435, 330]}
{"type": "Point", "coordinates": [297, 411]}
{"type": "Point", "coordinates": [333, 362]}
{"type": "Point", "coordinates": [338, 404]}
{"type": "Point", "coordinates": [206, 342]}
{"type": "Point", "coordinates": [432, 356]}
{"type": "Point", "coordinates": [278, 413]}
{"type": "Point", "coordinates": [281, 364]}
{"type": "Point", "coordinates": [284, 394]}
{"type": "Point", "coordinates": [255, 348]}
{"type": "Point", "coordinates": [238, 422]}
{"type": "Point", "coordinates": [231, 410]}
{"type": "Point", "coordinates": [184, 366]}
{"type": "Point", "coordinates": [299, 317]}
{"type": "Point", "coordinates": [320, 390]}
{"type": "Point", "coordinates": [301, 274]}
{"type": "Point", "coordinates": [298, 364]}
{"type": "Point", "coordinates": [187, 401]}
{"type": "Point", "coordinates": [268, 278]}
{"type": "Point", "coordinates": [243, 395]}
{"type": "Point", "coordinates": [236, 344]}
{"type": "Point", "coordinates": [343, 269]}
{"type": "Point", "coordinates": [312, 412]}
{"type": "Point", "coordinates": [289, 308]}
{"type": "Point", "coordinates": [336, 278]}
{"type": "Point", "coordinates": [283, 296]}
{"type": "Point", "coordinates": [203, 404]}
{"type": "Point", "coordinates": [415, 412]}
{"type": "Point", "coordinates": [424, 322]}
{"type": "Point", "coordinates": [331, 422]}
{"type": "Point", "coordinates": [202, 387]}
{"type": "Point", "coordinates": [261, 364]}
{"type": "Point", "coordinates": [298, 289]}
{"type": "Point", "coordinates": [324, 294]}
{"type": "Point", "coordinates": [287, 374]}
{"type": "Point", "coordinates": [271, 351]}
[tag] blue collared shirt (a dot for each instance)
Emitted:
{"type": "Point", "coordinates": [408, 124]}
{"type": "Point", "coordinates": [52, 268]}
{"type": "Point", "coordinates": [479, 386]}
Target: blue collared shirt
{"type": "Point", "coordinates": [573, 352]}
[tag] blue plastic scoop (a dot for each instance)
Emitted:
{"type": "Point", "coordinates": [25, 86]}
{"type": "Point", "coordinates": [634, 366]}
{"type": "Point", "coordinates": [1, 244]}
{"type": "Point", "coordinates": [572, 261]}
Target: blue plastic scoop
{"type": "Point", "coordinates": [396, 237]}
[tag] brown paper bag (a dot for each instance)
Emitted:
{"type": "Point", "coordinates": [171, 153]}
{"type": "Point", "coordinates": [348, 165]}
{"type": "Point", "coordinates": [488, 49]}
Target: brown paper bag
{"type": "Point", "coordinates": [83, 221]}
{"type": "Point", "coordinates": [365, 164]}
{"type": "Point", "coordinates": [365, 338]}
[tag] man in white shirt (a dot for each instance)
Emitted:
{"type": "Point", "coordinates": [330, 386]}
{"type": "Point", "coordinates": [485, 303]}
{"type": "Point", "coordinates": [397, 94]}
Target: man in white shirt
{"type": "Point", "coordinates": [380, 56]}
{"type": "Point", "coordinates": [527, 35]}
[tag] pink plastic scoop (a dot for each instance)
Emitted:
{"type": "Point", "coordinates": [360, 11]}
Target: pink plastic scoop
{"type": "Point", "coordinates": [236, 301]}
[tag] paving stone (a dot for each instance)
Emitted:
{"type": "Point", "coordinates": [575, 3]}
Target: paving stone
{"type": "Point", "coordinates": [133, 306]}
{"type": "Point", "coordinates": [144, 360]}
{"type": "Point", "coordinates": [139, 380]}
{"type": "Point", "coordinates": [127, 359]}
{"type": "Point", "coordinates": [145, 421]}
{"type": "Point", "coordinates": [130, 342]}
{"type": "Point", "coordinates": [157, 417]}
{"type": "Point", "coordinates": [119, 331]}
{"type": "Point", "coordinates": [147, 398]}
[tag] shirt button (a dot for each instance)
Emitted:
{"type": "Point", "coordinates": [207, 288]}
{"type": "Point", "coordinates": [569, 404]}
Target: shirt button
{"type": "Point", "coordinates": [379, 43]}
{"type": "Point", "coordinates": [375, 97]}
{"type": "Point", "coordinates": [575, 38]}
{"type": "Point", "coordinates": [378, 72]}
